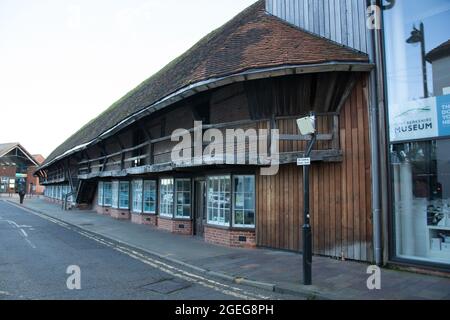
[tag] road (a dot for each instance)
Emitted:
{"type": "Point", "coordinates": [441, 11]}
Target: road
{"type": "Point", "coordinates": [36, 252]}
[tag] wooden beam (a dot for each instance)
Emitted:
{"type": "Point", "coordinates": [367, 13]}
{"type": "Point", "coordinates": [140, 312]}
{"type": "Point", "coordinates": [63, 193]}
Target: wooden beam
{"type": "Point", "coordinates": [293, 137]}
{"type": "Point", "coordinates": [346, 94]}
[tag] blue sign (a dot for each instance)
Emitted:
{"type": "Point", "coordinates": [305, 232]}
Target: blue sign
{"type": "Point", "coordinates": [443, 113]}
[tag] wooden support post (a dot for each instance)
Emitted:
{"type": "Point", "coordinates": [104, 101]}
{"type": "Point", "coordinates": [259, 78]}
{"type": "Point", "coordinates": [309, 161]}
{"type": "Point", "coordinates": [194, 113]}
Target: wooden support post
{"type": "Point", "coordinates": [335, 144]}
{"type": "Point", "coordinates": [148, 137]}
{"type": "Point", "coordinates": [122, 155]}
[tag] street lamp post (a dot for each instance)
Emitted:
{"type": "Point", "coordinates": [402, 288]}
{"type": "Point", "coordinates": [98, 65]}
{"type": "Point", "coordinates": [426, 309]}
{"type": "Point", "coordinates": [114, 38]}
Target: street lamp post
{"type": "Point", "coordinates": [307, 126]}
{"type": "Point", "coordinates": [418, 36]}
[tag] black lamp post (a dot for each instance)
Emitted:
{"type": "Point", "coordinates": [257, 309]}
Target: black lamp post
{"type": "Point", "coordinates": [418, 36]}
{"type": "Point", "coordinates": [307, 126]}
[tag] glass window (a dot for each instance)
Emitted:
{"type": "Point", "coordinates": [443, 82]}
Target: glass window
{"type": "Point", "coordinates": [150, 196]}
{"type": "Point", "coordinates": [100, 194]}
{"type": "Point", "coordinates": [244, 201]}
{"type": "Point", "coordinates": [183, 196]}
{"type": "Point", "coordinates": [124, 195]}
{"type": "Point", "coordinates": [115, 194]}
{"type": "Point", "coordinates": [166, 201]}
{"type": "Point", "coordinates": [136, 192]}
{"type": "Point", "coordinates": [418, 95]}
{"type": "Point", "coordinates": [107, 194]}
{"type": "Point", "coordinates": [219, 200]}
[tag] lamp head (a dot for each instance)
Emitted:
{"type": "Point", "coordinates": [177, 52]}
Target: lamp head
{"type": "Point", "coordinates": [416, 36]}
{"type": "Point", "coordinates": [307, 125]}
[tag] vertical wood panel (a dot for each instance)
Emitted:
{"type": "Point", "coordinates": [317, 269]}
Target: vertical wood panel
{"type": "Point", "coordinates": [342, 21]}
{"type": "Point", "coordinates": [340, 194]}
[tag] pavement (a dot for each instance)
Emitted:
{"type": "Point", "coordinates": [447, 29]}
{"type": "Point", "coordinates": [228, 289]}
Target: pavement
{"type": "Point", "coordinates": [270, 270]}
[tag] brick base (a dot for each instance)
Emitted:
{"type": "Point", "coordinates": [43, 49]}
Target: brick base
{"type": "Point", "coordinates": [145, 219]}
{"type": "Point", "coordinates": [119, 214]}
{"type": "Point", "coordinates": [182, 227]}
{"type": "Point", "coordinates": [102, 210]}
{"type": "Point", "coordinates": [230, 238]}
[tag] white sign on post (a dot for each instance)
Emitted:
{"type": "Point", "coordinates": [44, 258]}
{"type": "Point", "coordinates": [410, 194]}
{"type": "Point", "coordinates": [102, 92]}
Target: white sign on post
{"type": "Point", "coordinates": [303, 162]}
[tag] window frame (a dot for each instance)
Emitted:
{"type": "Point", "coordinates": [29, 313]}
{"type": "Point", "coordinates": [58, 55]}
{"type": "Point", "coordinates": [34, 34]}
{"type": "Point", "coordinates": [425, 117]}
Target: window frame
{"type": "Point", "coordinates": [156, 197]}
{"type": "Point", "coordinates": [115, 194]}
{"type": "Point", "coordinates": [189, 180]}
{"type": "Point", "coordinates": [213, 223]}
{"type": "Point", "coordinates": [166, 215]}
{"type": "Point", "coordinates": [107, 205]}
{"type": "Point", "coordinates": [128, 195]}
{"type": "Point", "coordinates": [133, 190]}
{"type": "Point", "coordinates": [234, 224]}
{"type": "Point", "coordinates": [100, 193]}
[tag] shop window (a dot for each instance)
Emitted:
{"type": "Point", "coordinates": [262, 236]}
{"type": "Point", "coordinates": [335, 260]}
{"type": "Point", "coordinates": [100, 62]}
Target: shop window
{"type": "Point", "coordinates": [107, 194]}
{"type": "Point", "coordinates": [124, 195]}
{"type": "Point", "coordinates": [244, 201]}
{"type": "Point", "coordinates": [136, 194]}
{"type": "Point", "coordinates": [100, 194]}
{"type": "Point", "coordinates": [219, 200]}
{"type": "Point", "coordinates": [183, 198]}
{"type": "Point", "coordinates": [150, 196]}
{"type": "Point", "coordinates": [115, 194]}
{"type": "Point", "coordinates": [418, 99]}
{"type": "Point", "coordinates": [166, 197]}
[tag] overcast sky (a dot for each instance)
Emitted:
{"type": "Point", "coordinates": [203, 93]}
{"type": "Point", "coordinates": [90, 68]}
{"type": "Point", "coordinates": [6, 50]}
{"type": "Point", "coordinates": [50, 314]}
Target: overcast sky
{"type": "Point", "coordinates": [64, 62]}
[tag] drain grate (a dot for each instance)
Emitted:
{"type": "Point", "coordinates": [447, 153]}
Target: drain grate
{"type": "Point", "coordinates": [167, 286]}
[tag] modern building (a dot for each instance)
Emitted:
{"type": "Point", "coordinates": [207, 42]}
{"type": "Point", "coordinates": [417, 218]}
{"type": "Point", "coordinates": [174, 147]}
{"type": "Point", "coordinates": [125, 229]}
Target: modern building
{"type": "Point", "coordinates": [17, 164]}
{"type": "Point", "coordinates": [379, 171]}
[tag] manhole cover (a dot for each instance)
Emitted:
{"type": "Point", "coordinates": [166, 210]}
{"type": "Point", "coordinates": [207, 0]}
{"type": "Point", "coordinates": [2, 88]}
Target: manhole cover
{"type": "Point", "coordinates": [167, 286]}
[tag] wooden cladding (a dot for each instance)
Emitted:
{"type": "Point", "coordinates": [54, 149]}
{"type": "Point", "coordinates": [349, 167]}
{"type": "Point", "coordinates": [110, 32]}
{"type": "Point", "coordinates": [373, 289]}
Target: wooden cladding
{"type": "Point", "coordinates": [340, 195]}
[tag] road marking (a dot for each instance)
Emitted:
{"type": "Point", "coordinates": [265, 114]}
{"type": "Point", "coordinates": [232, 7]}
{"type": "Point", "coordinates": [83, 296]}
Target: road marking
{"type": "Point", "coordinates": [157, 264]}
{"type": "Point", "coordinates": [22, 232]}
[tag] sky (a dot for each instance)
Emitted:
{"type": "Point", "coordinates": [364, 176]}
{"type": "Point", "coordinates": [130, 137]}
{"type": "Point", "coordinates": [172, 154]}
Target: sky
{"type": "Point", "coordinates": [64, 62]}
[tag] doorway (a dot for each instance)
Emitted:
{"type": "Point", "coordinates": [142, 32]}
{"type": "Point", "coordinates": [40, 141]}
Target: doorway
{"type": "Point", "coordinates": [200, 208]}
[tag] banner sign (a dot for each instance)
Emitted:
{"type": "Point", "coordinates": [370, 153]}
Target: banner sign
{"type": "Point", "coordinates": [420, 119]}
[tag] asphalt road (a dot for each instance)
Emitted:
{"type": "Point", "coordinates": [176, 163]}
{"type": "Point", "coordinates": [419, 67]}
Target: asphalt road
{"type": "Point", "coordinates": [36, 251]}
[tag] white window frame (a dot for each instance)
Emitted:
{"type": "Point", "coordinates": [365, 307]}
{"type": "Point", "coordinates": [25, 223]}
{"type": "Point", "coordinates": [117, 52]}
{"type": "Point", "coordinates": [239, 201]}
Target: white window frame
{"type": "Point", "coordinates": [100, 193]}
{"type": "Point", "coordinates": [122, 183]}
{"type": "Point", "coordinates": [137, 200]}
{"type": "Point", "coordinates": [219, 223]}
{"type": "Point", "coordinates": [115, 195]}
{"type": "Point", "coordinates": [238, 225]}
{"type": "Point", "coordinates": [155, 192]}
{"type": "Point", "coordinates": [163, 190]}
{"type": "Point", "coordinates": [105, 204]}
{"type": "Point", "coordinates": [188, 193]}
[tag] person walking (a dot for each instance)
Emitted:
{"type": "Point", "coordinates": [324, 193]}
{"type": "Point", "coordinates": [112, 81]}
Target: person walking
{"type": "Point", "coordinates": [22, 190]}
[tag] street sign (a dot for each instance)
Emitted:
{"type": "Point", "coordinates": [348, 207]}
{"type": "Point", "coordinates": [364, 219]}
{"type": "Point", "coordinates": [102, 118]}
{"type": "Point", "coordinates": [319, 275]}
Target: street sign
{"type": "Point", "coordinates": [303, 162]}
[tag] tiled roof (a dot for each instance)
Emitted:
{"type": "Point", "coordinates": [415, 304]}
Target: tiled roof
{"type": "Point", "coordinates": [439, 52]}
{"type": "Point", "coordinates": [252, 40]}
{"type": "Point", "coordinates": [6, 147]}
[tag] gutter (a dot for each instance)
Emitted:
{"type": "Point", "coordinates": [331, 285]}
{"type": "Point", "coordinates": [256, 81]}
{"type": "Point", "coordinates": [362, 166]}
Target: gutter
{"type": "Point", "coordinates": [377, 136]}
{"type": "Point", "coordinates": [215, 83]}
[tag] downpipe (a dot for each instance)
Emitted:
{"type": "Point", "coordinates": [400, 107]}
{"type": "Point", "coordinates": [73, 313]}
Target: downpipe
{"type": "Point", "coordinates": [375, 57]}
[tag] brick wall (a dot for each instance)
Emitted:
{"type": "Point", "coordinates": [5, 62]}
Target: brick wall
{"type": "Point", "coordinates": [175, 226]}
{"type": "Point", "coordinates": [145, 219]}
{"type": "Point", "coordinates": [8, 171]}
{"type": "Point", "coordinates": [230, 238]}
{"type": "Point", "coordinates": [119, 214]}
{"type": "Point", "coordinates": [102, 210]}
